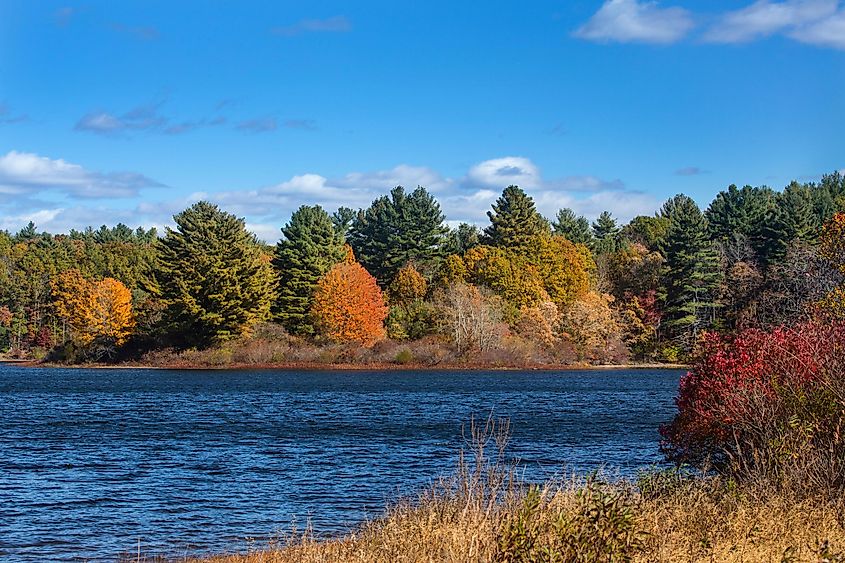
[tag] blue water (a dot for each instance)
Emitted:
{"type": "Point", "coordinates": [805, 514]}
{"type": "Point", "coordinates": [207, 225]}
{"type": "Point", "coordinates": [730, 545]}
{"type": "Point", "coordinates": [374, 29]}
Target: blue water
{"type": "Point", "coordinates": [94, 462]}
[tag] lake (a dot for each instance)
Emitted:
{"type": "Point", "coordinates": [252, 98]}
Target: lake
{"type": "Point", "coordinates": [92, 462]}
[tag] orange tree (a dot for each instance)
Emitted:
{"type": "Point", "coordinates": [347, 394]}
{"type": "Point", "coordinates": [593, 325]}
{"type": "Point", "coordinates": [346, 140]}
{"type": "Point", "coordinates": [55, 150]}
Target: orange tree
{"type": "Point", "coordinates": [348, 305]}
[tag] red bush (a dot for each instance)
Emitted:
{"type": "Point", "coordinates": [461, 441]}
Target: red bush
{"type": "Point", "coordinates": [738, 380]}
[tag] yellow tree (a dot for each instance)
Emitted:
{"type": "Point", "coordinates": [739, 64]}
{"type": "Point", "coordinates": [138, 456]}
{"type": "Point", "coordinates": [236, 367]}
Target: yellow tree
{"type": "Point", "coordinates": [111, 315]}
{"type": "Point", "coordinates": [93, 309]}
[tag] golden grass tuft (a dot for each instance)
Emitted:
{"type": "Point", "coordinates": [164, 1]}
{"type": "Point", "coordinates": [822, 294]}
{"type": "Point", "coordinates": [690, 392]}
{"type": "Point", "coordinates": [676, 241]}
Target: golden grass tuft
{"type": "Point", "coordinates": [485, 514]}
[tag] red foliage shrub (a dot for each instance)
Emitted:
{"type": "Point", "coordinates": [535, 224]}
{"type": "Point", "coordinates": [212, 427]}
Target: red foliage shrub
{"type": "Point", "coordinates": [749, 394]}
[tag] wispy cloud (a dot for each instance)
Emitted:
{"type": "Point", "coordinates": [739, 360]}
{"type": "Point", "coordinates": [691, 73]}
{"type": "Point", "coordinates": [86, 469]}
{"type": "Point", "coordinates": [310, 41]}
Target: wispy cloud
{"type": "Point", "coordinates": [764, 18]}
{"type": "Point", "coordinates": [335, 24]}
{"type": "Point", "coordinates": [7, 117]}
{"type": "Point", "coordinates": [305, 124]}
{"type": "Point", "coordinates": [258, 125]}
{"type": "Point", "coordinates": [142, 118]}
{"type": "Point", "coordinates": [559, 130]}
{"type": "Point", "coordinates": [31, 179]}
{"type": "Point", "coordinates": [690, 171]}
{"type": "Point", "coordinates": [27, 174]}
{"type": "Point", "coordinates": [815, 22]}
{"type": "Point", "coordinates": [829, 32]}
{"type": "Point", "coordinates": [634, 21]}
{"type": "Point", "coordinates": [144, 33]}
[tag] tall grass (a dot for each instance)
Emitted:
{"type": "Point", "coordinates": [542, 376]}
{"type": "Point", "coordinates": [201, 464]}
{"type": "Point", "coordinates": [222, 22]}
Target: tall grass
{"type": "Point", "coordinates": [485, 512]}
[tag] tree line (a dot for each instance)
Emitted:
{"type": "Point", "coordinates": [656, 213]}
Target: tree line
{"type": "Point", "coordinates": [566, 287]}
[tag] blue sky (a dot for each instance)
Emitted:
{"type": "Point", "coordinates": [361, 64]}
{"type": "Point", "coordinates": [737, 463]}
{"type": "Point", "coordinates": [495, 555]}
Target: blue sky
{"type": "Point", "coordinates": [130, 111]}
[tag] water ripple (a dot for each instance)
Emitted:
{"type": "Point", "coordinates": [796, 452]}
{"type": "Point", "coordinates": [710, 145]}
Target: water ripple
{"type": "Point", "coordinates": [94, 461]}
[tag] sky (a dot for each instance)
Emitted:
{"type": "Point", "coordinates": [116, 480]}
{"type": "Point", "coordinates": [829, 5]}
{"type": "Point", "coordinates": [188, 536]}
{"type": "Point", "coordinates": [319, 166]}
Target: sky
{"type": "Point", "coordinates": [131, 111]}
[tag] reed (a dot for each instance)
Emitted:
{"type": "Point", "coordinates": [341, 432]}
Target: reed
{"type": "Point", "coordinates": [485, 512]}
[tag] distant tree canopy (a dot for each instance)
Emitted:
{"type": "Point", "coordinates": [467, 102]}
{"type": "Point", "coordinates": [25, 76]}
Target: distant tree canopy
{"type": "Point", "coordinates": [397, 229]}
{"type": "Point", "coordinates": [212, 276]}
{"type": "Point", "coordinates": [756, 257]}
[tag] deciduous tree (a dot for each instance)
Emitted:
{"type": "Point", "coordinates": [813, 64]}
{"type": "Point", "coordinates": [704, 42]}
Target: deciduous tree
{"type": "Point", "coordinates": [349, 306]}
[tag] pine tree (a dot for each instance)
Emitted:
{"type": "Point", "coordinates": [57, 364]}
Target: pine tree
{"type": "Point", "coordinates": [514, 220]}
{"type": "Point", "coordinates": [690, 274]}
{"type": "Point", "coordinates": [311, 244]}
{"type": "Point", "coordinates": [739, 212]}
{"type": "Point", "coordinates": [212, 276]}
{"type": "Point", "coordinates": [398, 229]}
{"type": "Point", "coordinates": [789, 220]}
{"type": "Point", "coordinates": [342, 220]}
{"type": "Point", "coordinates": [606, 232]}
{"type": "Point", "coordinates": [574, 228]}
{"type": "Point", "coordinates": [461, 239]}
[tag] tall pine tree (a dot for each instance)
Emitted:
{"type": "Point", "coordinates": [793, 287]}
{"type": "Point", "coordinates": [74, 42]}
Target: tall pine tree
{"type": "Point", "coordinates": [574, 228]}
{"type": "Point", "coordinates": [212, 276]}
{"type": "Point", "coordinates": [398, 229]}
{"type": "Point", "coordinates": [311, 244]}
{"type": "Point", "coordinates": [690, 277]}
{"type": "Point", "coordinates": [791, 219]}
{"type": "Point", "coordinates": [739, 212]}
{"type": "Point", "coordinates": [606, 233]}
{"type": "Point", "coordinates": [514, 220]}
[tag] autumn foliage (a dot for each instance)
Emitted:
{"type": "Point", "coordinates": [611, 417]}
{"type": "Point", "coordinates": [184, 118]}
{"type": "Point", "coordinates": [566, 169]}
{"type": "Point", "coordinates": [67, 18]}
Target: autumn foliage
{"type": "Point", "coordinates": [764, 402]}
{"type": "Point", "coordinates": [93, 309]}
{"type": "Point", "coordinates": [349, 306]}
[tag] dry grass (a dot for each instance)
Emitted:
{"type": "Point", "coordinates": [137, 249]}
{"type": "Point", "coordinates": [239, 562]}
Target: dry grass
{"type": "Point", "coordinates": [484, 513]}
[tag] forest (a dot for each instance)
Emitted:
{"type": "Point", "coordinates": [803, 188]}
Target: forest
{"type": "Point", "coordinates": [393, 283]}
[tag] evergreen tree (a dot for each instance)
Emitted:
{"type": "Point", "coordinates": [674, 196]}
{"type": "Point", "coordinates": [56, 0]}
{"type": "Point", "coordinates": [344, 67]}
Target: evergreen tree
{"type": "Point", "coordinates": [789, 220]}
{"type": "Point", "coordinates": [690, 273]}
{"type": "Point", "coordinates": [398, 229]}
{"type": "Point", "coordinates": [514, 220]}
{"type": "Point", "coordinates": [574, 228]}
{"type": "Point", "coordinates": [606, 232]}
{"type": "Point", "coordinates": [461, 239]}
{"type": "Point", "coordinates": [311, 244]}
{"type": "Point", "coordinates": [739, 213]}
{"type": "Point", "coordinates": [342, 220]}
{"type": "Point", "coordinates": [212, 276]}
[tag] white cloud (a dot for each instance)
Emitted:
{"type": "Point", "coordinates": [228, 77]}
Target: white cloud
{"type": "Point", "coordinates": [764, 18]}
{"type": "Point", "coordinates": [28, 173]}
{"type": "Point", "coordinates": [627, 21]}
{"type": "Point", "coordinates": [829, 32]}
{"type": "Point", "coordinates": [267, 209]}
{"type": "Point", "coordinates": [502, 172]}
{"type": "Point", "coordinates": [403, 175]}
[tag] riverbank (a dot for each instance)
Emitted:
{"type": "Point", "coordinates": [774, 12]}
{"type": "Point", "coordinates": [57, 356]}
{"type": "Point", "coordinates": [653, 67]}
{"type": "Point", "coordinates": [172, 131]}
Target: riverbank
{"type": "Point", "coordinates": [699, 522]}
{"type": "Point", "coordinates": [485, 514]}
{"type": "Point", "coordinates": [317, 366]}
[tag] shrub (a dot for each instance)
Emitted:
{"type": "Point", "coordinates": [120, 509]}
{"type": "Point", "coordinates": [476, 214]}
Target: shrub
{"type": "Point", "coordinates": [404, 356]}
{"type": "Point", "coordinates": [766, 407]}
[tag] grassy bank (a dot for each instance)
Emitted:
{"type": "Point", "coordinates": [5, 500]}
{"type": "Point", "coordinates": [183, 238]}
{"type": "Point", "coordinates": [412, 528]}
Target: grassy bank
{"type": "Point", "coordinates": [485, 512]}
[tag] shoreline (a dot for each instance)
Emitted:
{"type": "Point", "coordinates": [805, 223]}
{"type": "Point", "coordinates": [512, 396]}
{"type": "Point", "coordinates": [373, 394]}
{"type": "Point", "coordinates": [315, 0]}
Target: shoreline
{"type": "Point", "coordinates": [312, 366]}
